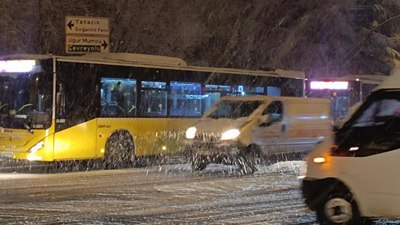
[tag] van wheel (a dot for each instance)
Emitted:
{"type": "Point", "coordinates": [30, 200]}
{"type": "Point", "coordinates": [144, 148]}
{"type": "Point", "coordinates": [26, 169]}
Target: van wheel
{"type": "Point", "coordinates": [246, 166]}
{"type": "Point", "coordinates": [339, 207]}
{"type": "Point", "coordinates": [120, 150]}
{"type": "Point", "coordinates": [248, 158]}
{"type": "Point", "coordinates": [199, 162]}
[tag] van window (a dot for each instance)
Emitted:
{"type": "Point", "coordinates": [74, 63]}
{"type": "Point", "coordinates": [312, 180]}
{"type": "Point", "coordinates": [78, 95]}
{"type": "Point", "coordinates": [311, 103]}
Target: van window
{"type": "Point", "coordinates": [234, 109]}
{"type": "Point", "coordinates": [275, 111]}
{"type": "Point", "coordinates": [375, 128]}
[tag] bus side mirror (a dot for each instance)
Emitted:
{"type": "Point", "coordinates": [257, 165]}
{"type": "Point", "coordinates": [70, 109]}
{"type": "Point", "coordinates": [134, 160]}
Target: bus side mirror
{"type": "Point", "coordinates": [39, 119]}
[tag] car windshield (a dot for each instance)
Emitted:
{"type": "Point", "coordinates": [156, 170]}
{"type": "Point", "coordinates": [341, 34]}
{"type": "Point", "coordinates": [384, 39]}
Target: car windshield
{"type": "Point", "coordinates": [24, 95]}
{"type": "Point", "coordinates": [234, 109]}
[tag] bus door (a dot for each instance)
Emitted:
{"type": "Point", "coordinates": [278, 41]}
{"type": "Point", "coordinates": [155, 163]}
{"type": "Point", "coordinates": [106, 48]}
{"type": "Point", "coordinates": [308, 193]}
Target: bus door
{"type": "Point", "coordinates": [76, 108]}
{"type": "Point", "coordinates": [75, 142]}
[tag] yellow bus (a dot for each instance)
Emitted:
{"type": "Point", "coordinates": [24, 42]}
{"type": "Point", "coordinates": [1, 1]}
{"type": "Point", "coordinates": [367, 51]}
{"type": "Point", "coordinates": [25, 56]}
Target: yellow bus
{"type": "Point", "coordinates": [115, 106]}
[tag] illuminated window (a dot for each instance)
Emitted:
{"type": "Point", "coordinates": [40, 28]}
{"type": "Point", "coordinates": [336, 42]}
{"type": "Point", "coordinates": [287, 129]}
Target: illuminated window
{"type": "Point", "coordinates": [186, 99]}
{"type": "Point", "coordinates": [212, 93]}
{"type": "Point", "coordinates": [153, 98]}
{"type": "Point", "coordinates": [118, 97]}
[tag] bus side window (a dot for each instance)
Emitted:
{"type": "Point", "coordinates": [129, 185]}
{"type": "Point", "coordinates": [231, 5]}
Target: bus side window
{"type": "Point", "coordinates": [118, 97]}
{"type": "Point", "coordinates": [153, 98]}
{"type": "Point", "coordinates": [185, 99]}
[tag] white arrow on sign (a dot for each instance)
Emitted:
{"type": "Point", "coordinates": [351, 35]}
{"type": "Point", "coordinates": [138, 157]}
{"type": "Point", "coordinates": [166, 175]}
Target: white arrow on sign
{"type": "Point", "coordinates": [83, 44]}
{"type": "Point", "coordinates": [87, 25]}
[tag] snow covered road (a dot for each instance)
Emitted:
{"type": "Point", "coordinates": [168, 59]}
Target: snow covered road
{"type": "Point", "coordinates": [168, 194]}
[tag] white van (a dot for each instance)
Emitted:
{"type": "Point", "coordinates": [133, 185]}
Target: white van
{"type": "Point", "coordinates": [354, 176]}
{"type": "Point", "coordinates": [247, 126]}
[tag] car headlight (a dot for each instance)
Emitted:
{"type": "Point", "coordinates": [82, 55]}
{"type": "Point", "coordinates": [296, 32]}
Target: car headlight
{"type": "Point", "coordinates": [230, 134]}
{"type": "Point", "coordinates": [191, 132]}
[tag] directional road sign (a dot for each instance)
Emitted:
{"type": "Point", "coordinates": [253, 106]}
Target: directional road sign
{"type": "Point", "coordinates": [82, 44]}
{"type": "Point", "coordinates": [87, 25]}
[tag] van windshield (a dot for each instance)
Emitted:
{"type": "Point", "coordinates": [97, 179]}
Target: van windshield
{"type": "Point", "coordinates": [234, 109]}
{"type": "Point", "coordinates": [374, 128]}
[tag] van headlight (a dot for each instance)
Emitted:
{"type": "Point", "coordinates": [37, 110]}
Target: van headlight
{"type": "Point", "coordinates": [230, 134]}
{"type": "Point", "coordinates": [191, 132]}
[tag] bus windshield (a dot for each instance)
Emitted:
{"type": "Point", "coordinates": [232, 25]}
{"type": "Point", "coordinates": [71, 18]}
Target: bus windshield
{"type": "Point", "coordinates": [234, 109]}
{"type": "Point", "coordinates": [25, 100]}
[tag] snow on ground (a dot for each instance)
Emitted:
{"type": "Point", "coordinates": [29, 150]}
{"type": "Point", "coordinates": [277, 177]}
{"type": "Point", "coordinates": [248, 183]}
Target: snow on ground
{"type": "Point", "coordinates": [16, 176]}
{"type": "Point", "coordinates": [281, 175]}
{"type": "Point", "coordinates": [162, 194]}
{"type": "Point", "coordinates": [291, 167]}
{"type": "Point", "coordinates": [286, 167]}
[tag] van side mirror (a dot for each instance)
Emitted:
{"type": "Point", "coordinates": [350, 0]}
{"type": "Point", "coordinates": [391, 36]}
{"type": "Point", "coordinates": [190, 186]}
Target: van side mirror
{"type": "Point", "coordinates": [336, 128]}
{"type": "Point", "coordinates": [339, 123]}
{"type": "Point", "coordinates": [264, 120]}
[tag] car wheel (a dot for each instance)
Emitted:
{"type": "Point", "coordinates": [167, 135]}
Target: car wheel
{"type": "Point", "coordinates": [199, 162]}
{"type": "Point", "coordinates": [339, 207]}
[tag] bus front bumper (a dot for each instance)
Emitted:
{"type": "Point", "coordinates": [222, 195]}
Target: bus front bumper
{"type": "Point", "coordinates": [6, 155]}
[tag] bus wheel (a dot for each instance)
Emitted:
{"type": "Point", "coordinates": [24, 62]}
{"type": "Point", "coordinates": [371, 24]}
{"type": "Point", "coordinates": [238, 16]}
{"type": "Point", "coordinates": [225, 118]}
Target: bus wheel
{"type": "Point", "coordinates": [339, 207]}
{"type": "Point", "coordinates": [120, 150]}
{"type": "Point", "coordinates": [199, 162]}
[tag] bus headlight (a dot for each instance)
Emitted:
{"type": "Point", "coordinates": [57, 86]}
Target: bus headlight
{"type": "Point", "coordinates": [37, 147]}
{"type": "Point", "coordinates": [191, 132]}
{"type": "Point", "coordinates": [230, 134]}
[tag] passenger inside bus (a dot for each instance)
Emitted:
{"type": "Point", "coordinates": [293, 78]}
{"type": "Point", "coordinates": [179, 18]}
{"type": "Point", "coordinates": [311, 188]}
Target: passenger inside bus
{"type": "Point", "coordinates": [118, 97]}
